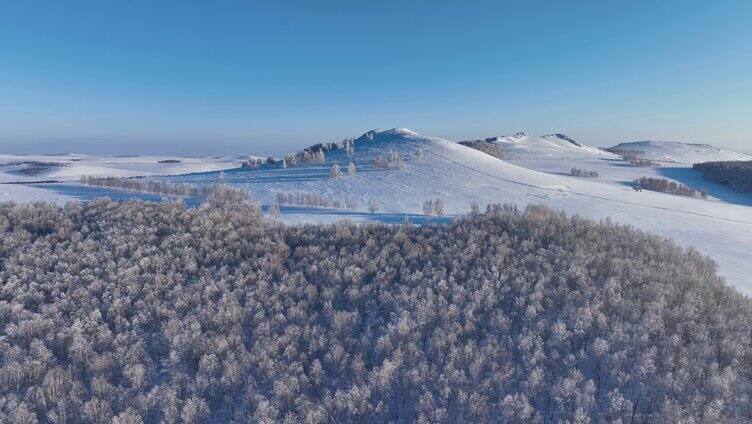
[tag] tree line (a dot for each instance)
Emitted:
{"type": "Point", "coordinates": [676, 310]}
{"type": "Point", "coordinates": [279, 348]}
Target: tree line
{"type": "Point", "coordinates": [667, 186]}
{"type": "Point", "coordinates": [487, 147]}
{"type": "Point", "coordinates": [735, 174]}
{"type": "Point", "coordinates": [579, 172]}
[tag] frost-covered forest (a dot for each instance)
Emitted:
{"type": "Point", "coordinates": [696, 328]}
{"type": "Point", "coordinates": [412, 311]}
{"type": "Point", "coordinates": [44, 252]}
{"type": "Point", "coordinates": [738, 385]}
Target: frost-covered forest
{"type": "Point", "coordinates": [735, 174]}
{"type": "Point", "coordinates": [133, 312]}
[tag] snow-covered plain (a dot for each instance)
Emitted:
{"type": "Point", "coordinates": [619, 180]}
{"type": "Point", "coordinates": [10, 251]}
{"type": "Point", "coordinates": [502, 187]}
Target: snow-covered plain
{"type": "Point", "coordinates": [70, 167]}
{"type": "Point", "coordinates": [535, 171]}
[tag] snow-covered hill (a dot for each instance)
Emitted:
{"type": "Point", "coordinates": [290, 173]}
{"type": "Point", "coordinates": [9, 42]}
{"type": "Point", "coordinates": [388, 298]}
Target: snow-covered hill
{"type": "Point", "coordinates": [551, 145]}
{"type": "Point", "coordinates": [686, 153]}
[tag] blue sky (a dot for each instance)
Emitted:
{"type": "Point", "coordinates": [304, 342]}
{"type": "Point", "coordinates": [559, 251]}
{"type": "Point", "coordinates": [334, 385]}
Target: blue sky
{"type": "Point", "coordinates": [267, 77]}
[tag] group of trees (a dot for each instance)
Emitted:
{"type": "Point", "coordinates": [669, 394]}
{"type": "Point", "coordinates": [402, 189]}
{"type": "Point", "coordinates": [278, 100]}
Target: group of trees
{"type": "Point", "coordinates": [667, 186]}
{"type": "Point", "coordinates": [735, 174]}
{"type": "Point", "coordinates": [252, 162]}
{"type": "Point", "coordinates": [393, 160]}
{"type": "Point", "coordinates": [314, 200]}
{"type": "Point", "coordinates": [634, 157]}
{"type": "Point", "coordinates": [335, 171]}
{"type": "Point", "coordinates": [433, 207]}
{"type": "Point", "coordinates": [578, 172]}
{"type": "Point", "coordinates": [484, 146]}
{"type": "Point", "coordinates": [314, 154]}
{"type": "Point", "coordinates": [137, 312]}
{"type": "Point", "coordinates": [168, 189]}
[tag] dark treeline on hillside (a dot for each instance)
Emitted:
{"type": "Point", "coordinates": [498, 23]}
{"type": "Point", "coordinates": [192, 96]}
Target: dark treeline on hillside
{"type": "Point", "coordinates": [486, 147]}
{"type": "Point", "coordinates": [139, 312]}
{"type": "Point", "coordinates": [735, 174]}
{"type": "Point", "coordinates": [667, 186]}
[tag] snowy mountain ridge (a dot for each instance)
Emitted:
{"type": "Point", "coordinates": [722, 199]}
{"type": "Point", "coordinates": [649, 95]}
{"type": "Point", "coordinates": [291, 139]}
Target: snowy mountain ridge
{"type": "Point", "coordinates": [555, 144]}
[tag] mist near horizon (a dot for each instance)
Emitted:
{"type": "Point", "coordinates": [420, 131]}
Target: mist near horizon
{"type": "Point", "coordinates": [255, 147]}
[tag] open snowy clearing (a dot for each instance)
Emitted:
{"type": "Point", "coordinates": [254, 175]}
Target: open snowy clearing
{"type": "Point", "coordinates": [535, 171]}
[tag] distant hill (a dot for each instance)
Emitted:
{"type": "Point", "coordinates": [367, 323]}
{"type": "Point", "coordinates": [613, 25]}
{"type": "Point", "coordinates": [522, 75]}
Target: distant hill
{"type": "Point", "coordinates": [688, 153]}
{"type": "Point", "coordinates": [548, 145]}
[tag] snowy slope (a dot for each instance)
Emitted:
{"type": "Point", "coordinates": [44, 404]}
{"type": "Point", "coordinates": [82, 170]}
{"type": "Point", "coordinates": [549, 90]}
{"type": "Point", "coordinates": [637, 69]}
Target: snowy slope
{"type": "Point", "coordinates": [687, 153]}
{"type": "Point", "coordinates": [461, 175]}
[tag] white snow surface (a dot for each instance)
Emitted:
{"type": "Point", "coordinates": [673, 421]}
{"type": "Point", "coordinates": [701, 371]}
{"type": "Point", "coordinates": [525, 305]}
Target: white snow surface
{"type": "Point", "coordinates": [70, 167]}
{"type": "Point", "coordinates": [687, 153]}
{"type": "Point", "coordinates": [536, 171]}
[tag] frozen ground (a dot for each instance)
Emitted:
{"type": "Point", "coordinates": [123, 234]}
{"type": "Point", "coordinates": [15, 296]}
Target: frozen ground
{"type": "Point", "coordinates": [535, 171]}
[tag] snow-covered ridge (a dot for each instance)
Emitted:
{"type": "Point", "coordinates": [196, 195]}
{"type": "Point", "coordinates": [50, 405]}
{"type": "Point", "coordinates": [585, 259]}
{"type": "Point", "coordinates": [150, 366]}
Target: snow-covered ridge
{"type": "Point", "coordinates": [676, 152]}
{"type": "Point", "coordinates": [557, 144]}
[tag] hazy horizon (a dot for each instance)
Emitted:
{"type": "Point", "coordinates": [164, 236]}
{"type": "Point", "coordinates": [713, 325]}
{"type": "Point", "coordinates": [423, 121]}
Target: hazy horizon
{"type": "Point", "coordinates": [113, 146]}
{"type": "Point", "coordinates": [267, 78]}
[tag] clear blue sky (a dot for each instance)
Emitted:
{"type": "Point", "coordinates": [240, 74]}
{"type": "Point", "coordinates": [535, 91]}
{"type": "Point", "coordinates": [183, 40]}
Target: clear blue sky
{"type": "Point", "coordinates": [265, 77]}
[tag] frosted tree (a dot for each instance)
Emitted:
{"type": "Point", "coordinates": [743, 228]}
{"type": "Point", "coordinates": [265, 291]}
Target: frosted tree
{"type": "Point", "coordinates": [348, 145]}
{"type": "Point", "coordinates": [251, 162]}
{"type": "Point", "coordinates": [373, 205]}
{"type": "Point", "coordinates": [351, 204]}
{"type": "Point", "coordinates": [320, 156]}
{"type": "Point", "coordinates": [291, 159]}
{"type": "Point", "coordinates": [351, 168]}
{"type": "Point", "coordinates": [284, 163]}
{"type": "Point", "coordinates": [274, 212]}
{"type": "Point", "coordinates": [335, 172]}
{"type": "Point", "coordinates": [419, 155]}
{"type": "Point", "coordinates": [474, 208]}
{"type": "Point", "coordinates": [395, 160]}
{"type": "Point", "coordinates": [439, 206]}
{"type": "Point", "coordinates": [428, 208]}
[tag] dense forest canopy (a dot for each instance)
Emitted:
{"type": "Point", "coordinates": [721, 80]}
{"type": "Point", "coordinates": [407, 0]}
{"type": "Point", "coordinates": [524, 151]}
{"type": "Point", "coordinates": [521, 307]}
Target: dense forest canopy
{"type": "Point", "coordinates": [141, 312]}
{"type": "Point", "coordinates": [735, 174]}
